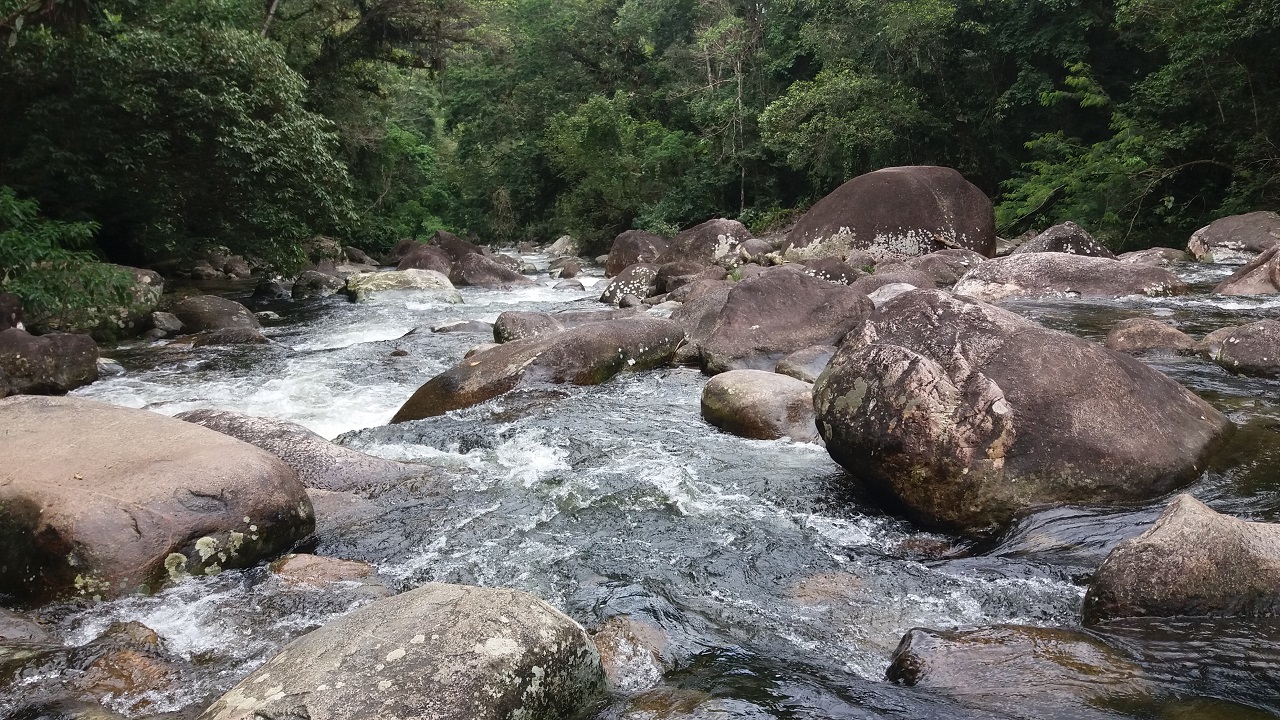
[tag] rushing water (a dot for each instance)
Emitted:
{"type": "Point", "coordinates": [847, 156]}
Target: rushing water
{"type": "Point", "coordinates": [781, 591]}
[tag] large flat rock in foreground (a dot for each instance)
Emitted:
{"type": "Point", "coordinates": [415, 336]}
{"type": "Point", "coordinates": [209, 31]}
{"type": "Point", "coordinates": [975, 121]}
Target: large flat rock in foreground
{"type": "Point", "coordinates": [440, 652]}
{"type": "Point", "coordinates": [101, 501]}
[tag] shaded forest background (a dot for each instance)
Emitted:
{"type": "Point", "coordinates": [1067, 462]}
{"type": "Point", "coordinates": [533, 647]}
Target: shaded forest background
{"type": "Point", "coordinates": [132, 130]}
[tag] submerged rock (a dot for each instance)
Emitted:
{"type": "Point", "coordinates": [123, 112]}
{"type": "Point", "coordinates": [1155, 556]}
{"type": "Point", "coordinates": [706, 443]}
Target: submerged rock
{"type": "Point", "coordinates": [1252, 349]}
{"type": "Point", "coordinates": [317, 462]}
{"type": "Point", "coordinates": [760, 405]}
{"type": "Point", "coordinates": [967, 415]}
{"type": "Point", "coordinates": [634, 653]}
{"type": "Point", "coordinates": [51, 364]}
{"type": "Point", "coordinates": [586, 355]}
{"type": "Point", "coordinates": [895, 213]}
{"type": "Point", "coordinates": [1066, 237]}
{"type": "Point", "coordinates": [1139, 335]}
{"type": "Point", "coordinates": [440, 652]}
{"type": "Point", "coordinates": [98, 500]}
{"type": "Point", "coordinates": [1236, 239]}
{"type": "Point", "coordinates": [1193, 561]}
{"type": "Point", "coordinates": [1053, 274]}
{"type": "Point", "coordinates": [434, 285]}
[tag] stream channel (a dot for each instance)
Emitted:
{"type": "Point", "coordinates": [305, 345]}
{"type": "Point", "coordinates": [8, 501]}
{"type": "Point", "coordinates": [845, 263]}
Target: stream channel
{"type": "Point", "coordinates": [782, 591]}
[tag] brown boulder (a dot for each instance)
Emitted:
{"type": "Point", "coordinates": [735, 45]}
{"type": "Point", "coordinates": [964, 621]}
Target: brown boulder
{"type": "Point", "coordinates": [884, 275]}
{"type": "Point", "coordinates": [946, 267]}
{"type": "Point", "coordinates": [1066, 237]}
{"type": "Point", "coordinates": [314, 284]}
{"type": "Point", "coordinates": [967, 415]}
{"type": "Point", "coordinates": [317, 462]}
{"type": "Point", "coordinates": [1252, 349]}
{"type": "Point", "coordinates": [898, 212]}
{"type": "Point", "coordinates": [774, 314]}
{"type": "Point", "coordinates": [425, 257]}
{"type": "Point", "coordinates": [230, 336]}
{"type": "Point", "coordinates": [1041, 275]}
{"type": "Point", "coordinates": [706, 243]}
{"type": "Point", "coordinates": [807, 363]}
{"type": "Point", "coordinates": [1236, 239]}
{"type": "Point", "coordinates": [1139, 335]}
{"type": "Point", "coordinates": [639, 280]}
{"type": "Point", "coordinates": [483, 271]}
{"type": "Point", "coordinates": [456, 247]}
{"type": "Point", "coordinates": [1261, 276]}
{"type": "Point", "coordinates": [675, 275]}
{"type": "Point", "coordinates": [760, 405]}
{"type": "Point", "coordinates": [587, 355]}
{"type": "Point", "coordinates": [833, 270]}
{"type": "Point", "coordinates": [1193, 561]}
{"type": "Point", "coordinates": [98, 500]}
{"type": "Point", "coordinates": [51, 364]}
{"type": "Point", "coordinates": [1156, 256]}
{"type": "Point", "coordinates": [314, 570]}
{"type": "Point", "coordinates": [210, 312]}
{"type": "Point", "coordinates": [632, 247]}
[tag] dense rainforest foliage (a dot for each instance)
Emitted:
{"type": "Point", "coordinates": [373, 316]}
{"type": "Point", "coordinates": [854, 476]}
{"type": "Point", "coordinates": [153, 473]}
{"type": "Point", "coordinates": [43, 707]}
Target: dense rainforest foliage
{"type": "Point", "coordinates": [144, 129]}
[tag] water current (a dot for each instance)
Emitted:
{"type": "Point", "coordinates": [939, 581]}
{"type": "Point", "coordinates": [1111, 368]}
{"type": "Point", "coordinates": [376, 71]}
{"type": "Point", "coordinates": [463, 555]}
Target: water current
{"type": "Point", "coordinates": [780, 589]}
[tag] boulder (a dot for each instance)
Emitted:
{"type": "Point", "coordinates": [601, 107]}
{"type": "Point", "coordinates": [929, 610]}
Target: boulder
{"type": "Point", "coordinates": [897, 212]}
{"type": "Point", "coordinates": [230, 336]}
{"type": "Point", "coordinates": [318, 463]}
{"type": "Point", "coordinates": [1139, 335]}
{"type": "Point", "coordinates": [760, 405]}
{"type": "Point", "coordinates": [885, 293]}
{"type": "Point", "coordinates": [210, 312]}
{"type": "Point", "coordinates": [1040, 275]}
{"type": "Point", "coordinates": [833, 270]}
{"type": "Point", "coordinates": [1235, 239]}
{"type": "Point", "coordinates": [564, 245]}
{"type": "Point", "coordinates": [674, 275]}
{"type": "Point", "coordinates": [807, 363]}
{"type": "Point", "coordinates": [1252, 349]}
{"type": "Point", "coordinates": [1018, 671]}
{"type": "Point", "coordinates": [428, 283]}
{"type": "Point", "coordinates": [706, 243]}
{"type": "Point", "coordinates": [751, 249]}
{"type": "Point", "coordinates": [10, 311]}
{"type": "Point", "coordinates": [945, 267]}
{"type": "Point", "coordinates": [51, 364]}
{"type": "Point", "coordinates": [570, 268]}
{"type": "Point", "coordinates": [439, 652]}
{"type": "Point", "coordinates": [1261, 276]}
{"type": "Point", "coordinates": [109, 321]}
{"type": "Point", "coordinates": [167, 323]}
{"type": "Point", "coordinates": [270, 289]}
{"type": "Point", "coordinates": [483, 271]}
{"type": "Point", "coordinates": [425, 257]}
{"type": "Point", "coordinates": [1156, 256]}
{"type": "Point", "coordinates": [639, 280]}
{"type": "Point", "coordinates": [519, 325]}
{"type": "Point", "coordinates": [237, 267]}
{"type": "Point", "coordinates": [632, 247]}
{"type": "Point", "coordinates": [635, 653]}
{"type": "Point", "coordinates": [966, 415]}
{"type": "Point", "coordinates": [774, 314]}
{"type": "Point", "coordinates": [321, 248]}
{"type": "Point", "coordinates": [698, 315]}
{"type": "Point", "coordinates": [465, 326]}
{"type": "Point", "coordinates": [1193, 561]}
{"type": "Point", "coordinates": [102, 501]}
{"type": "Point", "coordinates": [317, 571]}
{"type": "Point", "coordinates": [204, 270]}
{"type": "Point", "coordinates": [456, 247]}
{"type": "Point", "coordinates": [19, 628]}
{"type": "Point", "coordinates": [570, 285]}
{"type": "Point", "coordinates": [585, 355]}
{"type": "Point", "coordinates": [868, 284]}
{"type": "Point", "coordinates": [1066, 237]}
{"type": "Point", "coordinates": [312, 284]}
{"type": "Point", "coordinates": [356, 255]}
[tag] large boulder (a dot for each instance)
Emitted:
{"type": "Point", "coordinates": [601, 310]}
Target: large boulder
{"type": "Point", "coordinates": [1066, 237]}
{"type": "Point", "coordinates": [425, 257]}
{"type": "Point", "coordinates": [585, 355]}
{"type": "Point", "coordinates": [1054, 274]}
{"type": "Point", "coordinates": [1019, 671]}
{"type": "Point", "coordinates": [1193, 561]}
{"type": "Point", "coordinates": [199, 313]}
{"type": "Point", "coordinates": [50, 364]}
{"type": "Point", "coordinates": [520, 324]}
{"type": "Point", "coordinates": [317, 462]}
{"type": "Point", "coordinates": [898, 212]}
{"type": "Point", "coordinates": [639, 280]}
{"type": "Point", "coordinates": [1139, 335]}
{"type": "Point", "coordinates": [967, 415]}
{"type": "Point", "coordinates": [1261, 276]}
{"type": "Point", "coordinates": [440, 652]}
{"type": "Point", "coordinates": [1236, 239]}
{"type": "Point", "coordinates": [760, 405]}
{"type": "Point", "coordinates": [313, 284]}
{"type": "Point", "coordinates": [631, 247]}
{"type": "Point", "coordinates": [1252, 349]}
{"type": "Point", "coordinates": [10, 311]}
{"type": "Point", "coordinates": [428, 283]}
{"type": "Point", "coordinates": [456, 247]}
{"type": "Point", "coordinates": [772, 315]}
{"type": "Point", "coordinates": [706, 243]}
{"type": "Point", "coordinates": [483, 271]}
{"type": "Point", "coordinates": [103, 501]}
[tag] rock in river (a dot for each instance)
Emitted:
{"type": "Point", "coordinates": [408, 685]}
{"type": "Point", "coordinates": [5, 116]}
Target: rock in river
{"type": "Point", "coordinates": [45, 365]}
{"type": "Point", "coordinates": [631, 247]}
{"type": "Point", "coordinates": [440, 652]}
{"type": "Point", "coordinates": [1237, 238]}
{"type": "Point", "coordinates": [1054, 274]}
{"type": "Point", "coordinates": [760, 405]}
{"type": "Point", "coordinates": [104, 501]}
{"type": "Point", "coordinates": [210, 312]}
{"type": "Point", "coordinates": [1066, 237]}
{"type": "Point", "coordinates": [585, 355]}
{"type": "Point", "coordinates": [1252, 349]}
{"type": "Point", "coordinates": [1260, 277]}
{"type": "Point", "coordinates": [435, 285]}
{"type": "Point", "coordinates": [1193, 561]}
{"type": "Point", "coordinates": [1139, 335]}
{"type": "Point", "coordinates": [967, 415]}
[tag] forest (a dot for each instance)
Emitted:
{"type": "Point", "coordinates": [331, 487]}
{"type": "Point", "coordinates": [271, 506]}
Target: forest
{"type": "Point", "coordinates": [137, 130]}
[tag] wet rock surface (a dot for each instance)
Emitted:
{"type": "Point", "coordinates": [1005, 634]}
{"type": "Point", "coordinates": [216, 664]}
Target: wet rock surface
{"type": "Point", "coordinates": [967, 415]}
{"type": "Point", "coordinates": [760, 405]}
{"type": "Point", "coordinates": [1252, 349]}
{"type": "Point", "coordinates": [440, 652]}
{"type": "Point", "coordinates": [1261, 276]}
{"type": "Point", "coordinates": [1236, 239]}
{"type": "Point", "coordinates": [210, 312]}
{"type": "Point", "coordinates": [428, 282]}
{"type": "Point", "coordinates": [1053, 274]}
{"type": "Point", "coordinates": [1139, 335]}
{"type": "Point", "coordinates": [87, 512]}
